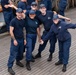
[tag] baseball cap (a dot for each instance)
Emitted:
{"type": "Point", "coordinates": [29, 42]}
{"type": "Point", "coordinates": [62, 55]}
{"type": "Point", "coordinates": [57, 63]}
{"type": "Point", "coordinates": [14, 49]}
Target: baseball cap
{"type": "Point", "coordinates": [42, 5]}
{"type": "Point", "coordinates": [33, 3]}
{"type": "Point", "coordinates": [31, 12]}
{"type": "Point", "coordinates": [19, 10]}
{"type": "Point", "coordinates": [55, 17]}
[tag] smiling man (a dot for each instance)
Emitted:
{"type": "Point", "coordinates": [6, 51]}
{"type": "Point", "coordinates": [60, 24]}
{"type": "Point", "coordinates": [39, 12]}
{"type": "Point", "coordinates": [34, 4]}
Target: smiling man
{"type": "Point", "coordinates": [17, 41]}
{"type": "Point", "coordinates": [60, 29]}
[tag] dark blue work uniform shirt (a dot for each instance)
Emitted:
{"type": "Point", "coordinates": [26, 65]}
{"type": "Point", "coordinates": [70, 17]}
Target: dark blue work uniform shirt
{"type": "Point", "coordinates": [62, 5]}
{"type": "Point", "coordinates": [3, 3]}
{"type": "Point", "coordinates": [30, 1]}
{"type": "Point", "coordinates": [37, 14]}
{"type": "Point", "coordinates": [60, 31]}
{"type": "Point", "coordinates": [18, 28]}
{"type": "Point", "coordinates": [48, 4]}
{"type": "Point", "coordinates": [22, 5]}
{"type": "Point", "coordinates": [47, 20]}
{"type": "Point", "coordinates": [31, 25]}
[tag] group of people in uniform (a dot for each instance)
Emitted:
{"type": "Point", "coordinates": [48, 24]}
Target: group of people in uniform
{"type": "Point", "coordinates": [30, 18]}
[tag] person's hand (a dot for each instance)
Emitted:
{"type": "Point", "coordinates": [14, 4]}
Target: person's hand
{"type": "Point", "coordinates": [25, 42]}
{"type": "Point", "coordinates": [68, 19]}
{"type": "Point", "coordinates": [6, 6]}
{"type": "Point", "coordinates": [15, 42]}
{"type": "Point", "coordinates": [41, 42]}
{"type": "Point", "coordinates": [11, 5]}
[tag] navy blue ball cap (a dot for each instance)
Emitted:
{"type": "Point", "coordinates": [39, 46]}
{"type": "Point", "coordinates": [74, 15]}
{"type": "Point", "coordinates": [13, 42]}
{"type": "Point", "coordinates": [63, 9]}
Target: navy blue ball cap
{"type": "Point", "coordinates": [55, 17]}
{"type": "Point", "coordinates": [19, 10]}
{"type": "Point", "coordinates": [42, 5]}
{"type": "Point", "coordinates": [32, 12]}
{"type": "Point", "coordinates": [33, 3]}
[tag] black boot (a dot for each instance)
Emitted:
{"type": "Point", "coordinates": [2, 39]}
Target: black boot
{"type": "Point", "coordinates": [19, 64]}
{"type": "Point", "coordinates": [64, 68]}
{"type": "Point", "coordinates": [38, 55]}
{"type": "Point", "coordinates": [28, 65]}
{"type": "Point", "coordinates": [10, 70]}
{"type": "Point", "coordinates": [32, 60]}
{"type": "Point", "coordinates": [58, 63]}
{"type": "Point", "coordinates": [50, 57]}
{"type": "Point", "coordinates": [33, 57]}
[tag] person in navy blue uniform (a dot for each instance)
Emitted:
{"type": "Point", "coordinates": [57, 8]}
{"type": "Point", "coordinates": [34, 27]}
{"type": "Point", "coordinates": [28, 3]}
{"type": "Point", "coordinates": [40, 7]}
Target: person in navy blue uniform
{"type": "Point", "coordinates": [60, 28]}
{"type": "Point", "coordinates": [46, 18]}
{"type": "Point", "coordinates": [48, 4]}
{"type": "Point", "coordinates": [23, 5]}
{"type": "Point", "coordinates": [17, 41]}
{"type": "Point", "coordinates": [62, 6]}
{"type": "Point", "coordinates": [34, 6]}
{"type": "Point", "coordinates": [29, 3]}
{"type": "Point", "coordinates": [32, 29]}
{"type": "Point", "coordinates": [7, 12]}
